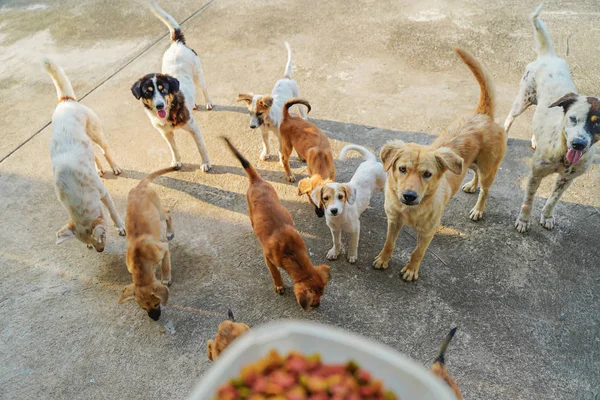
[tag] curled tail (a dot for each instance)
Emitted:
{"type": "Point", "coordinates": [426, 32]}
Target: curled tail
{"type": "Point", "coordinates": [174, 28]}
{"type": "Point", "coordinates": [487, 97]}
{"type": "Point", "coordinates": [367, 155]}
{"type": "Point", "coordinates": [542, 37]}
{"type": "Point", "coordinates": [230, 316]}
{"type": "Point", "coordinates": [153, 175]}
{"type": "Point", "coordinates": [288, 67]}
{"type": "Point", "coordinates": [250, 171]}
{"type": "Point", "coordinates": [291, 102]}
{"type": "Point", "coordinates": [64, 90]}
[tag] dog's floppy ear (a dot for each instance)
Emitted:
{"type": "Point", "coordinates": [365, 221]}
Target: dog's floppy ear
{"type": "Point", "coordinates": [136, 88]}
{"type": "Point", "coordinates": [67, 232]}
{"type": "Point", "coordinates": [266, 101]}
{"type": "Point", "coordinates": [448, 160]}
{"type": "Point", "coordinates": [304, 186]}
{"type": "Point", "coordinates": [350, 193]}
{"type": "Point", "coordinates": [324, 271]}
{"type": "Point", "coordinates": [128, 294]}
{"type": "Point", "coordinates": [317, 196]}
{"type": "Point", "coordinates": [566, 101]}
{"type": "Point", "coordinates": [247, 97]}
{"type": "Point", "coordinates": [161, 292]}
{"type": "Point", "coordinates": [173, 84]}
{"type": "Point", "coordinates": [390, 153]}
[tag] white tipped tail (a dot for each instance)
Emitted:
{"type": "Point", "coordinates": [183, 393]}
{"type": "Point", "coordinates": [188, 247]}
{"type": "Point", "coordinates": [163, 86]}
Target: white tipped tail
{"type": "Point", "coordinates": [61, 82]}
{"type": "Point", "coordinates": [288, 66]}
{"type": "Point", "coordinates": [367, 155]}
{"type": "Point", "coordinates": [174, 28]}
{"type": "Point", "coordinates": [542, 37]}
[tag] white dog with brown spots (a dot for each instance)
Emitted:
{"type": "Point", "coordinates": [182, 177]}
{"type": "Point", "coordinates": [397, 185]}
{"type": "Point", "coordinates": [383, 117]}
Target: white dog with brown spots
{"type": "Point", "coordinates": [76, 168]}
{"type": "Point", "coordinates": [565, 125]}
{"type": "Point", "coordinates": [344, 203]}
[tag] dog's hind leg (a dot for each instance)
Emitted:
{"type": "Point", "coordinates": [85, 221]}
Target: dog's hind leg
{"type": "Point", "coordinates": [194, 129]}
{"type": "Point", "coordinates": [562, 183]}
{"type": "Point", "coordinates": [276, 275]}
{"type": "Point", "coordinates": [525, 98]}
{"type": "Point", "coordinates": [200, 82]}
{"type": "Point", "coordinates": [94, 131]}
{"type": "Point", "coordinates": [166, 216]}
{"type": "Point", "coordinates": [114, 215]}
{"type": "Point", "coordinates": [165, 267]}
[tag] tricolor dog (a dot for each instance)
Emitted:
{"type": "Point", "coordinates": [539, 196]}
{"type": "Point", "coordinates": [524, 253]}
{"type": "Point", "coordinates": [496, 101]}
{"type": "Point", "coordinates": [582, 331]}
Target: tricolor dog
{"type": "Point", "coordinates": [169, 98]}
{"type": "Point", "coordinates": [565, 125]}
{"type": "Point", "coordinates": [76, 168]}
{"type": "Point", "coordinates": [344, 203]}
{"type": "Point", "coordinates": [266, 111]}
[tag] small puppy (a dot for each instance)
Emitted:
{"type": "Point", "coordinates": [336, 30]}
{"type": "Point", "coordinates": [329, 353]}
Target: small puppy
{"type": "Point", "coordinates": [422, 179]}
{"type": "Point", "coordinates": [283, 246]}
{"type": "Point", "coordinates": [77, 169]}
{"type": "Point", "coordinates": [169, 98]}
{"type": "Point", "coordinates": [265, 111]}
{"type": "Point", "coordinates": [229, 330]}
{"type": "Point", "coordinates": [565, 125]}
{"type": "Point", "coordinates": [345, 202]}
{"type": "Point", "coordinates": [145, 248]}
{"type": "Point", "coordinates": [439, 365]}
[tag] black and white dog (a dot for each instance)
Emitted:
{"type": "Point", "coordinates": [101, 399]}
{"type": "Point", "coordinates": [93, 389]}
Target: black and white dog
{"type": "Point", "coordinates": [169, 98]}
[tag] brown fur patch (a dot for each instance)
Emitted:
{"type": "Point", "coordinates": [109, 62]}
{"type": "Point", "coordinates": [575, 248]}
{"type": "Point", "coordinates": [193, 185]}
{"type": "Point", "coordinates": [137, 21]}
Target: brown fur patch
{"type": "Point", "coordinates": [228, 331]}
{"type": "Point", "coordinates": [178, 112]}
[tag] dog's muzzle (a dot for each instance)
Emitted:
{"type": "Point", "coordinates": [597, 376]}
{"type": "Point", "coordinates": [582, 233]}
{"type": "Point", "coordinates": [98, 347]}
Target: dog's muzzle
{"type": "Point", "coordinates": [154, 313]}
{"type": "Point", "coordinates": [409, 197]}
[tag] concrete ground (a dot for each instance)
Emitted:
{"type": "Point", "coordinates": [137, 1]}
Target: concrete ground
{"type": "Point", "coordinates": [526, 305]}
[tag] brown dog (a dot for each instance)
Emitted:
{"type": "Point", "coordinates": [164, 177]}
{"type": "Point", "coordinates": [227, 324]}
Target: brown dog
{"type": "Point", "coordinates": [229, 330]}
{"type": "Point", "coordinates": [439, 365]}
{"type": "Point", "coordinates": [422, 179]}
{"type": "Point", "coordinates": [145, 249]}
{"type": "Point", "coordinates": [312, 145]}
{"type": "Point", "coordinates": [282, 245]}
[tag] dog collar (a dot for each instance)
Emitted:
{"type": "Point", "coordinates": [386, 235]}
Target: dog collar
{"type": "Point", "coordinates": [65, 98]}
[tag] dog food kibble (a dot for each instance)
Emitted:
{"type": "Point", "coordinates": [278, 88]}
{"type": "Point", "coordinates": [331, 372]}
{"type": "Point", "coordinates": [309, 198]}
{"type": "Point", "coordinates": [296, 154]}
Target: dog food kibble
{"type": "Point", "coordinates": [298, 377]}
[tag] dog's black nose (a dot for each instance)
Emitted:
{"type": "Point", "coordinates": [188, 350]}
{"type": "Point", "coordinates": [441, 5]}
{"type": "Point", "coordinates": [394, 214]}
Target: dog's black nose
{"type": "Point", "coordinates": [154, 313]}
{"type": "Point", "coordinates": [410, 196]}
{"type": "Point", "coordinates": [579, 144]}
{"type": "Point", "coordinates": [252, 126]}
{"type": "Point", "coordinates": [333, 211]}
{"type": "Point", "coordinates": [160, 106]}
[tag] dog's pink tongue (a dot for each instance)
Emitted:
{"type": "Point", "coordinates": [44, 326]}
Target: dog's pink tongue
{"type": "Point", "coordinates": [161, 113]}
{"type": "Point", "coordinates": [573, 156]}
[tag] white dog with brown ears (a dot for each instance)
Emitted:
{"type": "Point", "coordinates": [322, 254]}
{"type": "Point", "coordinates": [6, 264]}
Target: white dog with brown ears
{"type": "Point", "coordinates": [565, 125]}
{"type": "Point", "coordinates": [169, 98]}
{"type": "Point", "coordinates": [344, 203]}
{"type": "Point", "coordinates": [266, 112]}
{"type": "Point", "coordinates": [76, 168]}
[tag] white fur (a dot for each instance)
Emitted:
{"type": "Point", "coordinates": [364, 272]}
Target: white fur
{"type": "Point", "coordinates": [76, 179]}
{"type": "Point", "coordinates": [369, 176]}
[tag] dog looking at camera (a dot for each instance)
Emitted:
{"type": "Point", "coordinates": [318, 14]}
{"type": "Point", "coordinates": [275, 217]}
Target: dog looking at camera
{"type": "Point", "coordinates": [283, 246]}
{"type": "Point", "coordinates": [76, 169]}
{"type": "Point", "coordinates": [266, 111]}
{"type": "Point", "coordinates": [343, 203]}
{"type": "Point", "coordinates": [565, 125]}
{"type": "Point", "coordinates": [145, 248]}
{"type": "Point", "coordinates": [422, 179]}
{"type": "Point", "coordinates": [169, 98]}
{"type": "Point", "coordinates": [228, 331]}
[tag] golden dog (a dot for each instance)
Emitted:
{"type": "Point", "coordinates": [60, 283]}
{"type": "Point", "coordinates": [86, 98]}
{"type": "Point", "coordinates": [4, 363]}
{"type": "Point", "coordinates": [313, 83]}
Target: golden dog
{"type": "Point", "coordinates": [229, 330]}
{"type": "Point", "coordinates": [145, 249]}
{"type": "Point", "coordinates": [283, 246]}
{"type": "Point", "coordinates": [422, 179]}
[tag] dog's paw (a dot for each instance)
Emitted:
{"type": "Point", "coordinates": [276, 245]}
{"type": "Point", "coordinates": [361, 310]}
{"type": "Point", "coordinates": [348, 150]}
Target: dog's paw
{"type": "Point", "coordinates": [264, 155]}
{"type": "Point", "coordinates": [170, 235]}
{"type": "Point", "coordinates": [408, 274]}
{"type": "Point", "coordinates": [332, 254]}
{"type": "Point", "coordinates": [167, 282]}
{"type": "Point", "coordinates": [176, 165]}
{"type": "Point", "coordinates": [475, 214]}
{"type": "Point", "coordinates": [116, 169]}
{"type": "Point", "coordinates": [379, 263]}
{"type": "Point", "coordinates": [521, 225]}
{"type": "Point", "coordinates": [205, 167]}
{"type": "Point", "coordinates": [280, 290]}
{"type": "Point", "coordinates": [209, 106]}
{"type": "Point", "coordinates": [121, 230]}
{"type": "Point", "coordinates": [547, 223]}
{"type": "Point", "coordinates": [533, 142]}
{"type": "Point", "coordinates": [291, 178]}
{"type": "Point", "coordinates": [100, 172]}
{"type": "Point", "coordinates": [352, 259]}
{"type": "Point", "coordinates": [469, 187]}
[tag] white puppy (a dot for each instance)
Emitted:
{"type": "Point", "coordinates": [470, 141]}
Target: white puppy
{"type": "Point", "coordinates": [169, 98]}
{"type": "Point", "coordinates": [345, 202]}
{"type": "Point", "coordinates": [76, 179]}
{"type": "Point", "coordinates": [565, 125]}
{"type": "Point", "coordinates": [266, 111]}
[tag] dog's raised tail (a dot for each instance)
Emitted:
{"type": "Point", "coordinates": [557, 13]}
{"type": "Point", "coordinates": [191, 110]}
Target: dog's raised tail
{"type": "Point", "coordinates": [444, 346]}
{"type": "Point", "coordinates": [288, 67]}
{"type": "Point", "coordinates": [487, 96]}
{"type": "Point", "coordinates": [293, 101]}
{"type": "Point", "coordinates": [230, 316]}
{"type": "Point", "coordinates": [542, 37]}
{"type": "Point", "coordinates": [153, 175]}
{"type": "Point", "coordinates": [250, 171]}
{"type": "Point", "coordinates": [174, 28]}
{"type": "Point", "coordinates": [367, 155]}
{"type": "Point", "coordinates": [64, 90]}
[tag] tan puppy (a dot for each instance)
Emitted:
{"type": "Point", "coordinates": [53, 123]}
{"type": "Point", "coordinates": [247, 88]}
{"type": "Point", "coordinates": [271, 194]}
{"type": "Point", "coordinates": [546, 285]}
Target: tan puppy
{"type": "Point", "coordinates": [229, 330]}
{"type": "Point", "coordinates": [145, 249]}
{"type": "Point", "coordinates": [439, 365]}
{"type": "Point", "coordinates": [283, 246]}
{"type": "Point", "coordinates": [312, 145]}
{"type": "Point", "coordinates": [422, 179]}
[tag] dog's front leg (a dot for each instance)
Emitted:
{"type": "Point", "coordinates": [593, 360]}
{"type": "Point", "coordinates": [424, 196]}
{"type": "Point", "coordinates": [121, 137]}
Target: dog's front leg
{"type": "Point", "coordinates": [264, 132]}
{"type": "Point", "coordinates": [194, 129]}
{"type": "Point", "coordinates": [170, 139]}
{"type": "Point", "coordinates": [522, 223]}
{"type": "Point", "coordinates": [562, 183]}
{"type": "Point", "coordinates": [99, 168]}
{"type": "Point", "coordinates": [165, 268]}
{"type": "Point", "coordinates": [411, 270]}
{"type": "Point", "coordinates": [110, 205]}
{"type": "Point", "coordinates": [335, 251]}
{"type": "Point", "coordinates": [395, 224]}
{"type": "Point", "coordinates": [353, 246]}
{"type": "Point", "coordinates": [276, 275]}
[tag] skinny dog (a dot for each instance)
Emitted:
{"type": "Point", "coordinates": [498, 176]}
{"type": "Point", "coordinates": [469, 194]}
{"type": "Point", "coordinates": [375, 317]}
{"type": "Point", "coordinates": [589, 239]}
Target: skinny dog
{"type": "Point", "coordinates": [283, 246]}
{"type": "Point", "coordinates": [439, 365]}
{"type": "Point", "coordinates": [345, 202]}
{"type": "Point", "coordinates": [76, 178]}
{"type": "Point", "coordinates": [266, 111]}
{"type": "Point", "coordinates": [228, 331]}
{"type": "Point", "coordinates": [565, 125]}
{"type": "Point", "coordinates": [422, 179]}
{"type": "Point", "coordinates": [145, 249]}
{"type": "Point", "coordinates": [169, 98]}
